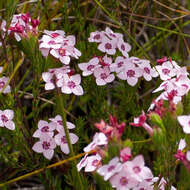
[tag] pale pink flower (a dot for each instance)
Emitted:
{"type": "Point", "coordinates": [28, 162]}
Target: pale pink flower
{"type": "Point", "coordinates": [123, 180]}
{"type": "Point", "coordinates": [62, 54]}
{"type": "Point", "coordinates": [61, 141]}
{"type": "Point", "coordinates": [44, 128]}
{"type": "Point", "coordinates": [148, 72]}
{"type": "Point", "coordinates": [108, 46]}
{"type": "Point", "coordinates": [6, 117]}
{"type": "Point", "coordinates": [166, 70]}
{"type": "Point", "coordinates": [82, 163]}
{"type": "Point", "coordinates": [113, 35]}
{"type": "Point", "coordinates": [123, 47]}
{"type": "Point", "coordinates": [46, 145]}
{"type": "Point", "coordinates": [93, 163]}
{"type": "Point", "coordinates": [88, 68]}
{"type": "Point", "coordinates": [119, 64]}
{"type": "Point", "coordinates": [113, 167]}
{"type": "Point", "coordinates": [137, 168]}
{"type": "Point", "coordinates": [48, 78]}
{"type": "Point", "coordinates": [59, 123]}
{"type": "Point", "coordinates": [71, 84]}
{"type": "Point", "coordinates": [103, 76]}
{"type": "Point", "coordinates": [131, 73]}
{"type": "Point", "coordinates": [182, 144]}
{"type": "Point", "coordinates": [184, 121]}
{"type": "Point", "coordinates": [3, 82]}
{"type": "Point", "coordinates": [96, 36]}
{"type": "Point", "coordinates": [47, 43]}
{"type": "Point", "coordinates": [98, 140]}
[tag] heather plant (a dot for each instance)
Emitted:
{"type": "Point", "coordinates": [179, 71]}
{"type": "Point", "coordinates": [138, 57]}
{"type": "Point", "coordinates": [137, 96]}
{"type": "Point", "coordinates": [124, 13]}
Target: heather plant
{"type": "Point", "coordinates": [94, 95]}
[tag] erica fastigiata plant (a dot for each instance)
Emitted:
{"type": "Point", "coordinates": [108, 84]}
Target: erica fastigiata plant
{"type": "Point", "coordinates": [84, 105]}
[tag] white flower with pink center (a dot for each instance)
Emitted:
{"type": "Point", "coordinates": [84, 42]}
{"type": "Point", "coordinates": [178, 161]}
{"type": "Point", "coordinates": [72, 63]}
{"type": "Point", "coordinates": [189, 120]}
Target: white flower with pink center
{"type": "Point", "coordinates": [184, 121]}
{"type": "Point", "coordinates": [61, 141]}
{"type": "Point", "coordinates": [113, 35]}
{"type": "Point", "coordinates": [47, 43]}
{"type": "Point", "coordinates": [103, 76]}
{"type": "Point", "coordinates": [108, 46]}
{"type": "Point", "coordinates": [48, 78]}
{"type": "Point", "coordinates": [119, 64]}
{"type": "Point", "coordinates": [3, 82]}
{"type": "Point", "coordinates": [113, 167]}
{"type": "Point", "coordinates": [137, 169]}
{"type": "Point", "coordinates": [59, 123]}
{"type": "Point", "coordinates": [96, 36]}
{"type": "Point", "coordinates": [131, 73]}
{"type": "Point", "coordinates": [123, 47]}
{"type": "Point", "coordinates": [62, 54]}
{"type": "Point", "coordinates": [93, 163]}
{"type": "Point", "coordinates": [123, 180]}
{"type": "Point", "coordinates": [46, 146]}
{"type": "Point", "coordinates": [148, 72]}
{"type": "Point", "coordinates": [166, 70]}
{"type": "Point", "coordinates": [88, 68]}
{"type": "Point", "coordinates": [71, 84]}
{"type": "Point", "coordinates": [44, 128]}
{"type": "Point", "coordinates": [98, 140]}
{"type": "Point", "coordinates": [6, 117]}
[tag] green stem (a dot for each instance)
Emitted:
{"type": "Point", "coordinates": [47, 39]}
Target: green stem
{"type": "Point", "coordinates": [63, 115]}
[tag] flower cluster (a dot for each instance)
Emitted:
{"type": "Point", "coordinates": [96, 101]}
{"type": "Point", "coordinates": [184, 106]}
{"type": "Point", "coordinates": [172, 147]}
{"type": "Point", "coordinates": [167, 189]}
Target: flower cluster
{"type": "Point", "coordinates": [62, 48]}
{"type": "Point", "coordinates": [52, 134]}
{"type": "Point", "coordinates": [175, 83]}
{"type": "Point", "coordinates": [63, 78]}
{"type": "Point", "coordinates": [59, 46]}
{"type": "Point", "coordinates": [6, 117]}
{"type": "Point", "coordinates": [124, 67]}
{"type": "Point", "coordinates": [21, 25]}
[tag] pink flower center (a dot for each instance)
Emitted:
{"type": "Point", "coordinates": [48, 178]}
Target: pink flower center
{"type": "Point", "coordinates": [61, 52]}
{"type": "Point", "coordinates": [123, 181]}
{"type": "Point", "coordinates": [147, 70]}
{"type": "Point", "coordinates": [111, 168]}
{"type": "Point", "coordinates": [2, 84]}
{"type": "Point", "coordinates": [112, 35]}
{"type": "Point", "coordinates": [45, 129]}
{"type": "Point", "coordinates": [90, 67]}
{"type": "Point", "coordinates": [120, 64]}
{"type": "Point", "coordinates": [60, 122]}
{"type": "Point", "coordinates": [165, 71]}
{"type": "Point", "coordinates": [123, 47]}
{"type": "Point", "coordinates": [51, 42]}
{"type": "Point", "coordinates": [64, 140]}
{"type": "Point", "coordinates": [103, 76]}
{"type": "Point", "coordinates": [108, 46]}
{"type": "Point", "coordinates": [95, 162]}
{"type": "Point", "coordinates": [54, 35]}
{"type": "Point", "coordinates": [130, 73]}
{"type": "Point", "coordinates": [136, 169]}
{"type": "Point", "coordinates": [141, 189]}
{"type": "Point", "coordinates": [71, 84]}
{"type": "Point", "coordinates": [45, 145]}
{"type": "Point", "coordinates": [4, 118]}
{"type": "Point", "coordinates": [97, 37]}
